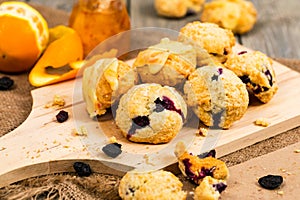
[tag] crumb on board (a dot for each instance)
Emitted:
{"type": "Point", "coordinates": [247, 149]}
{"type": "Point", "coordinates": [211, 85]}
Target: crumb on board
{"type": "Point", "coordinates": [280, 192]}
{"type": "Point", "coordinates": [112, 139]}
{"type": "Point", "coordinates": [262, 122]}
{"type": "Point", "coordinates": [297, 150]}
{"type": "Point", "coordinates": [202, 132]}
{"type": "Point", "coordinates": [82, 131]}
{"type": "Point", "coordinates": [57, 101]}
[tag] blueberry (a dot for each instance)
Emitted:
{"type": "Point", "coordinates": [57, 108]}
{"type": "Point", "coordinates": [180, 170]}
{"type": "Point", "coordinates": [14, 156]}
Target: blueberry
{"type": "Point", "coordinates": [112, 150]}
{"type": "Point", "coordinates": [166, 103]}
{"type": "Point", "coordinates": [242, 52]}
{"type": "Point", "coordinates": [201, 174]}
{"type": "Point", "coordinates": [6, 83]}
{"type": "Point", "coordinates": [211, 153]}
{"type": "Point", "coordinates": [82, 169]}
{"type": "Point", "coordinates": [137, 123]}
{"type": "Point", "coordinates": [270, 181]}
{"type": "Point", "coordinates": [220, 187]}
{"type": "Point", "coordinates": [62, 116]}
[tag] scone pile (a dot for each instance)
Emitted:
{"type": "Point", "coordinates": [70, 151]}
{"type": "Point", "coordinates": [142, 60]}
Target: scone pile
{"type": "Point", "coordinates": [198, 72]}
{"type": "Point", "coordinates": [238, 16]}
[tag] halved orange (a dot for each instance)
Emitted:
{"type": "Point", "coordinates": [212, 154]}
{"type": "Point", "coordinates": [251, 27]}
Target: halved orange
{"type": "Point", "coordinates": [23, 36]}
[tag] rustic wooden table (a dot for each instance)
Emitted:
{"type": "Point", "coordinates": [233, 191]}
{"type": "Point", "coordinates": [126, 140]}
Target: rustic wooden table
{"type": "Point", "coordinates": [276, 33]}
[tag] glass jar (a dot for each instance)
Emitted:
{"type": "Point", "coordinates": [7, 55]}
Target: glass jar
{"type": "Point", "coordinates": [97, 20]}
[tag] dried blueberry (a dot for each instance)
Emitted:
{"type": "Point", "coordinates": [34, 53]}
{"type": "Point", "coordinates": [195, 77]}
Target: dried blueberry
{"type": "Point", "coordinates": [82, 169]}
{"type": "Point", "coordinates": [167, 104]}
{"type": "Point", "coordinates": [242, 52]}
{"type": "Point", "coordinates": [211, 153]}
{"type": "Point", "coordinates": [62, 116]}
{"type": "Point", "coordinates": [6, 83]}
{"type": "Point", "coordinates": [220, 187]}
{"type": "Point", "coordinates": [270, 181]}
{"type": "Point", "coordinates": [112, 150]}
{"type": "Point", "coordinates": [137, 123]}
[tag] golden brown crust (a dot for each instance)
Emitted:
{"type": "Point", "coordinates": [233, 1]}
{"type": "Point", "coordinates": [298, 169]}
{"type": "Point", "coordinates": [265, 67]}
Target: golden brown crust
{"type": "Point", "coordinates": [140, 103]}
{"type": "Point", "coordinates": [256, 70]}
{"type": "Point", "coordinates": [217, 96]}
{"type": "Point", "coordinates": [218, 42]}
{"type": "Point", "coordinates": [154, 185]}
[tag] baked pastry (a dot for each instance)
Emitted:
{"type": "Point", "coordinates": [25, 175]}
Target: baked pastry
{"type": "Point", "coordinates": [177, 8]}
{"type": "Point", "coordinates": [209, 189]}
{"type": "Point", "coordinates": [166, 63]}
{"type": "Point", "coordinates": [217, 96]}
{"type": "Point", "coordinates": [162, 185]}
{"type": "Point", "coordinates": [256, 71]}
{"type": "Point", "coordinates": [196, 168]}
{"type": "Point", "coordinates": [216, 41]}
{"type": "Point", "coordinates": [151, 113]}
{"type": "Point", "coordinates": [236, 15]}
{"type": "Point", "coordinates": [104, 81]}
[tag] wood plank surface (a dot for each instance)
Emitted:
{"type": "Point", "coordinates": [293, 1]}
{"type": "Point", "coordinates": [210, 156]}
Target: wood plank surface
{"type": "Point", "coordinates": [40, 144]}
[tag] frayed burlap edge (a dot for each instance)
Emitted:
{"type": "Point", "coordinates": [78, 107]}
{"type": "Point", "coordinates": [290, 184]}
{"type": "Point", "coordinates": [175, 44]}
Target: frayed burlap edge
{"type": "Point", "coordinates": [63, 186]}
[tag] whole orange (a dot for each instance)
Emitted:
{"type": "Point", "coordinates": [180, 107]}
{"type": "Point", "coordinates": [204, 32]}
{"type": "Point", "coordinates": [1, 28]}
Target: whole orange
{"type": "Point", "coordinates": [23, 36]}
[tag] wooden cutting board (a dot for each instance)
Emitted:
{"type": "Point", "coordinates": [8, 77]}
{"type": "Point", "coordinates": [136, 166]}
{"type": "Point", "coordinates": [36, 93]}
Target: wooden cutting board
{"type": "Point", "coordinates": [43, 146]}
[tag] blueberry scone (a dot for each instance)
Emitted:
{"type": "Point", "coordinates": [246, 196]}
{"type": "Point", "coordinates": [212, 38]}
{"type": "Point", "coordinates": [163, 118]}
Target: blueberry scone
{"type": "Point", "coordinates": [151, 113]}
{"type": "Point", "coordinates": [153, 185]}
{"type": "Point", "coordinates": [209, 189]}
{"type": "Point", "coordinates": [196, 168]}
{"type": "Point", "coordinates": [177, 8]}
{"type": "Point", "coordinates": [216, 41]}
{"type": "Point", "coordinates": [167, 63]}
{"type": "Point", "coordinates": [216, 95]}
{"type": "Point", "coordinates": [104, 81]}
{"type": "Point", "coordinates": [236, 15]}
{"type": "Point", "coordinates": [256, 71]}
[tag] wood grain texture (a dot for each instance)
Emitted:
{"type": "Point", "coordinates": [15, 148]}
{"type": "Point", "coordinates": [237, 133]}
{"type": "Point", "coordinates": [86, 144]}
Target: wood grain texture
{"type": "Point", "coordinates": [41, 144]}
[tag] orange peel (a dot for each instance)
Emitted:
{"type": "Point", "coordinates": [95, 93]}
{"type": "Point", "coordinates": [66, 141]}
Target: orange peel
{"type": "Point", "coordinates": [61, 59]}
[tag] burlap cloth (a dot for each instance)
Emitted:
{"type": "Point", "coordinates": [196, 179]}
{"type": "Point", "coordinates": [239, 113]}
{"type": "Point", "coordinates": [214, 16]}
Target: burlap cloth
{"type": "Point", "coordinates": [16, 106]}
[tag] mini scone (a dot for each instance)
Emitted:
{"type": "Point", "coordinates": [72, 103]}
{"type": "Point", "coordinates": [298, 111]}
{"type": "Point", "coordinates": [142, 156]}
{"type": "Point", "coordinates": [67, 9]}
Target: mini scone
{"type": "Point", "coordinates": [255, 69]}
{"type": "Point", "coordinates": [162, 185]}
{"type": "Point", "coordinates": [236, 15]}
{"type": "Point", "coordinates": [216, 95]}
{"type": "Point", "coordinates": [177, 8]}
{"type": "Point", "coordinates": [151, 113]}
{"type": "Point", "coordinates": [196, 168]}
{"type": "Point", "coordinates": [209, 189]}
{"type": "Point", "coordinates": [166, 63]}
{"type": "Point", "coordinates": [104, 81]}
{"type": "Point", "coordinates": [216, 41]}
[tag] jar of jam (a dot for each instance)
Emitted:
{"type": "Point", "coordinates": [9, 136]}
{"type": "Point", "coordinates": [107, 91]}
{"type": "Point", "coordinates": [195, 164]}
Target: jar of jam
{"type": "Point", "coordinates": [97, 20]}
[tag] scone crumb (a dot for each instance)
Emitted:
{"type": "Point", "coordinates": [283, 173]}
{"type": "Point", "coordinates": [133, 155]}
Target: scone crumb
{"type": "Point", "coordinates": [112, 139]}
{"type": "Point", "coordinates": [57, 101]}
{"type": "Point", "coordinates": [280, 192]}
{"type": "Point", "coordinates": [297, 151]}
{"type": "Point", "coordinates": [202, 132]}
{"type": "Point", "coordinates": [147, 161]}
{"type": "Point", "coordinates": [81, 132]}
{"type": "Point", "coordinates": [262, 122]}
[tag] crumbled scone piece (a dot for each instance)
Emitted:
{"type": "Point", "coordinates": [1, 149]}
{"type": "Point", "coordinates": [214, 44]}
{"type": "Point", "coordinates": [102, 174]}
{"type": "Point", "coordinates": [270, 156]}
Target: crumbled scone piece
{"type": "Point", "coordinates": [82, 131]}
{"type": "Point", "coordinates": [209, 189]}
{"type": "Point", "coordinates": [196, 169]}
{"type": "Point", "coordinates": [57, 101]}
{"type": "Point", "coordinates": [262, 122]}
